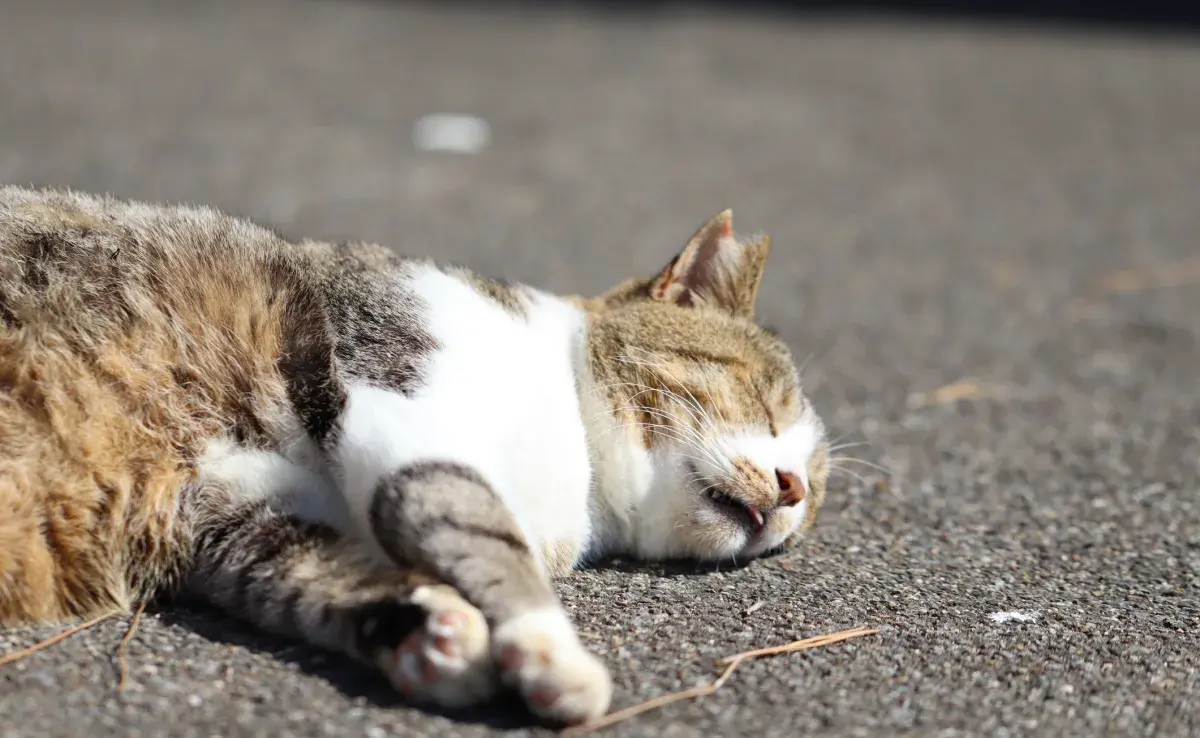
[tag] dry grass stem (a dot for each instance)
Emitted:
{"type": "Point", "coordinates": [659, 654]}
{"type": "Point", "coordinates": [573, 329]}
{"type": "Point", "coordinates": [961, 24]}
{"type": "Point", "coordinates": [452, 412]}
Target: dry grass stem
{"type": "Point", "coordinates": [753, 608]}
{"type": "Point", "coordinates": [814, 642]}
{"type": "Point", "coordinates": [1138, 279]}
{"type": "Point", "coordinates": [18, 655]}
{"type": "Point", "coordinates": [963, 389]}
{"type": "Point", "coordinates": [121, 647]}
{"type": "Point", "coordinates": [1177, 274]}
{"type": "Point", "coordinates": [732, 663]}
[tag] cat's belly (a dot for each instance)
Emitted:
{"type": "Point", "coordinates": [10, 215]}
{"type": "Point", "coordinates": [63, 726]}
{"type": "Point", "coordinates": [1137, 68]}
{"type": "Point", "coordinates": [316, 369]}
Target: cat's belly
{"type": "Point", "coordinates": [497, 395]}
{"type": "Point", "coordinates": [547, 491]}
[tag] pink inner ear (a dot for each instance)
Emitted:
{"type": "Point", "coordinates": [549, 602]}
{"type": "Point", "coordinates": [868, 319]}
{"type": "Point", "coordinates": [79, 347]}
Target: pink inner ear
{"type": "Point", "coordinates": [692, 266]}
{"type": "Point", "coordinates": [658, 289]}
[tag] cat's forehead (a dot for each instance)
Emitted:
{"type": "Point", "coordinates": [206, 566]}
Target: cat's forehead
{"type": "Point", "coordinates": [735, 371]}
{"type": "Point", "coordinates": [741, 350]}
{"type": "Point", "coordinates": [706, 337]}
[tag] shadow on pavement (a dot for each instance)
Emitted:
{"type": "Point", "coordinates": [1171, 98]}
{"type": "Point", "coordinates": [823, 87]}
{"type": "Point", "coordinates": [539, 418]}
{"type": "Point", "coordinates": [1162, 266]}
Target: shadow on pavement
{"type": "Point", "coordinates": [1161, 16]}
{"type": "Point", "coordinates": [352, 679]}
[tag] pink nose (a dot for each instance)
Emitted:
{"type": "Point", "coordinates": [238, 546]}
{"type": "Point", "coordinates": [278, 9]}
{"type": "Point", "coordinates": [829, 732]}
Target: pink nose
{"type": "Point", "coordinates": [791, 489]}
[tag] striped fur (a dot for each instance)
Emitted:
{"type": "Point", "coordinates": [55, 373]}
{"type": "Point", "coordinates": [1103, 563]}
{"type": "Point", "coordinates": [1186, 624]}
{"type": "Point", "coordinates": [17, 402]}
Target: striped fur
{"type": "Point", "coordinates": [381, 456]}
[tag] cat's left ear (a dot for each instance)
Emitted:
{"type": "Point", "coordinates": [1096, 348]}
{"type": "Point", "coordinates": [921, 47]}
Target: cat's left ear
{"type": "Point", "coordinates": [715, 269]}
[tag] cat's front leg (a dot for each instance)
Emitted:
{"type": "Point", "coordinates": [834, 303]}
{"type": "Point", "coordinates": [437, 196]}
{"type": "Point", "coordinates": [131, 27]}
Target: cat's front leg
{"type": "Point", "coordinates": [307, 581]}
{"type": "Point", "coordinates": [446, 518]}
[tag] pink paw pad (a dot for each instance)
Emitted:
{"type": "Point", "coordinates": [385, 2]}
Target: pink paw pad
{"type": "Point", "coordinates": [446, 660]}
{"type": "Point", "coordinates": [511, 658]}
{"type": "Point", "coordinates": [540, 655]}
{"type": "Point", "coordinates": [543, 698]}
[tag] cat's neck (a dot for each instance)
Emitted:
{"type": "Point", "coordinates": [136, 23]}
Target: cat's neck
{"type": "Point", "coordinates": [622, 469]}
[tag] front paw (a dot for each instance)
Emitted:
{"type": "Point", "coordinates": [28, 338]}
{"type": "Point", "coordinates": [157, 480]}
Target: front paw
{"type": "Point", "coordinates": [446, 661]}
{"type": "Point", "coordinates": [541, 656]}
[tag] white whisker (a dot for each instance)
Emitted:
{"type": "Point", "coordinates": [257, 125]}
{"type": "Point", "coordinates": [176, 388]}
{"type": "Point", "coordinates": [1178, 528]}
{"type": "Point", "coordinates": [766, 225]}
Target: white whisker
{"type": "Point", "coordinates": [833, 461]}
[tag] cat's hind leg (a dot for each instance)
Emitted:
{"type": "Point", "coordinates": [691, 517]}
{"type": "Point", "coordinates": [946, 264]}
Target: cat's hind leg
{"type": "Point", "coordinates": [448, 519]}
{"type": "Point", "coordinates": [306, 581]}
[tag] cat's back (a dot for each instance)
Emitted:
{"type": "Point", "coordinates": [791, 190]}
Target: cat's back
{"type": "Point", "coordinates": [25, 210]}
{"type": "Point", "coordinates": [51, 240]}
{"type": "Point", "coordinates": [130, 336]}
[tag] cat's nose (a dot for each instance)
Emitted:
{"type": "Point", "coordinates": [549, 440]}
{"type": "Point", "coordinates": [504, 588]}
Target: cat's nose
{"type": "Point", "coordinates": [791, 488]}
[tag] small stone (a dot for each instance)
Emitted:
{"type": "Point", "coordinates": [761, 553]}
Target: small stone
{"type": "Point", "coordinates": [460, 134]}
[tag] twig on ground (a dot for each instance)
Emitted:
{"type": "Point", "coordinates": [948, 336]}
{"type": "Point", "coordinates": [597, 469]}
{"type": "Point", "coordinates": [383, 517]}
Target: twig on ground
{"type": "Point", "coordinates": [1177, 274]}
{"type": "Point", "coordinates": [815, 641]}
{"type": "Point", "coordinates": [732, 663]}
{"type": "Point", "coordinates": [964, 389]}
{"type": "Point", "coordinates": [1137, 279]}
{"type": "Point", "coordinates": [18, 655]}
{"type": "Point", "coordinates": [121, 647]}
{"type": "Point", "coordinates": [753, 608]}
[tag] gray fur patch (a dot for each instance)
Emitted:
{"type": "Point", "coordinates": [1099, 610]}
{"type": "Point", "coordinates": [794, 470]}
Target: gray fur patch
{"type": "Point", "coordinates": [508, 296]}
{"type": "Point", "coordinates": [301, 580]}
{"type": "Point", "coordinates": [447, 517]}
{"type": "Point", "coordinates": [381, 336]}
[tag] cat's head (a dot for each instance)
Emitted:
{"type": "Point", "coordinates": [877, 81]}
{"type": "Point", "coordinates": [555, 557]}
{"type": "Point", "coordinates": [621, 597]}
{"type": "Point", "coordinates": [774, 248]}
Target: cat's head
{"type": "Point", "coordinates": [730, 456]}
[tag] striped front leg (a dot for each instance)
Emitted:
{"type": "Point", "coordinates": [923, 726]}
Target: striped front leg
{"type": "Point", "coordinates": [306, 581]}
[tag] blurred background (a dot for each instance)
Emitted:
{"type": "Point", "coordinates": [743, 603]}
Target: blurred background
{"type": "Point", "coordinates": [938, 177]}
{"type": "Point", "coordinates": [986, 247]}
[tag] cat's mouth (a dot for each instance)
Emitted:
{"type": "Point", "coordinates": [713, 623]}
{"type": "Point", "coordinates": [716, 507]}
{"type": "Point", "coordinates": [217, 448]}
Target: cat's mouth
{"type": "Point", "coordinates": [742, 512]}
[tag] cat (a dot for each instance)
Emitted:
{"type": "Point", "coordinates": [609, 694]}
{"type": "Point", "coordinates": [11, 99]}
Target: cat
{"type": "Point", "coordinates": [381, 456]}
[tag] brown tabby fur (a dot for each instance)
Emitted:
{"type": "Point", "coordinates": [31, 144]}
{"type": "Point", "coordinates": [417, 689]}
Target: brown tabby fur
{"type": "Point", "coordinates": [90, 471]}
{"type": "Point", "coordinates": [176, 385]}
{"type": "Point", "coordinates": [119, 363]}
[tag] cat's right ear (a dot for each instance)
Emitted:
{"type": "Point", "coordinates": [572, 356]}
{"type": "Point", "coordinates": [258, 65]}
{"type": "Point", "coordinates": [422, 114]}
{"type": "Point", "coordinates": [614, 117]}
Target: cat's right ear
{"type": "Point", "coordinates": [714, 269]}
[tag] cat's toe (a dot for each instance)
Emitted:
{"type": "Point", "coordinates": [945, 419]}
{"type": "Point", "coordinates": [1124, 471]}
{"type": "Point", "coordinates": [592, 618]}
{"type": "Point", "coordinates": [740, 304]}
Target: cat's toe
{"type": "Point", "coordinates": [540, 655]}
{"type": "Point", "coordinates": [447, 661]}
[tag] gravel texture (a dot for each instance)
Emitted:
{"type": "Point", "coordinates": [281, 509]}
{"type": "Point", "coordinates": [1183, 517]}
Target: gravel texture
{"type": "Point", "coordinates": [948, 202]}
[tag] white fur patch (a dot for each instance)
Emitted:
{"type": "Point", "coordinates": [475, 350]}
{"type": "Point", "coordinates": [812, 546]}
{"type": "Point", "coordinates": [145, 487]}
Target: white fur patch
{"type": "Point", "coordinates": [550, 624]}
{"type": "Point", "coordinates": [540, 655]}
{"type": "Point", "coordinates": [790, 451]}
{"type": "Point", "coordinates": [499, 396]}
{"type": "Point", "coordinates": [624, 471]}
{"type": "Point", "coordinates": [252, 475]}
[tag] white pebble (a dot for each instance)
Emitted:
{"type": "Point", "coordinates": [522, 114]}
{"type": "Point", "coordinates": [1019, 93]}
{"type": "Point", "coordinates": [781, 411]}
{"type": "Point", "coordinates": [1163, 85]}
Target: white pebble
{"type": "Point", "coordinates": [1013, 616]}
{"type": "Point", "coordinates": [460, 134]}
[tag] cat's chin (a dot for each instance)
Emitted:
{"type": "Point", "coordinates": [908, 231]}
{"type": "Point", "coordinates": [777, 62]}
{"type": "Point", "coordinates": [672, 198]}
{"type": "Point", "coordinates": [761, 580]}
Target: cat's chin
{"type": "Point", "coordinates": [765, 548]}
{"type": "Point", "coordinates": [745, 543]}
{"type": "Point", "coordinates": [737, 549]}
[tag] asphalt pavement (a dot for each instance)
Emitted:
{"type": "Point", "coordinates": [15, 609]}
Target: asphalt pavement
{"type": "Point", "coordinates": [987, 249]}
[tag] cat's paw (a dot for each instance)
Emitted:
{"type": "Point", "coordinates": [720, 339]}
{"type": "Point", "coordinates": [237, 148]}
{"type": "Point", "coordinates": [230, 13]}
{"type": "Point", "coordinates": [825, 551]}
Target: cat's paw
{"type": "Point", "coordinates": [541, 656]}
{"type": "Point", "coordinates": [446, 661]}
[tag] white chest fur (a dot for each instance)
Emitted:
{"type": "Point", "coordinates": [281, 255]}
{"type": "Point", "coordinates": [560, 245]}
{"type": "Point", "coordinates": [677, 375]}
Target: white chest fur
{"type": "Point", "coordinates": [498, 395]}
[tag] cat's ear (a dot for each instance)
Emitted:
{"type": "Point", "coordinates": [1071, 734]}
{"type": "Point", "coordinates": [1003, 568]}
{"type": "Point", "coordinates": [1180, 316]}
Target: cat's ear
{"type": "Point", "coordinates": [715, 269]}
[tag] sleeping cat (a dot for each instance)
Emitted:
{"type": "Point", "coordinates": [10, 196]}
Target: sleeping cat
{"type": "Point", "coordinates": [381, 456]}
